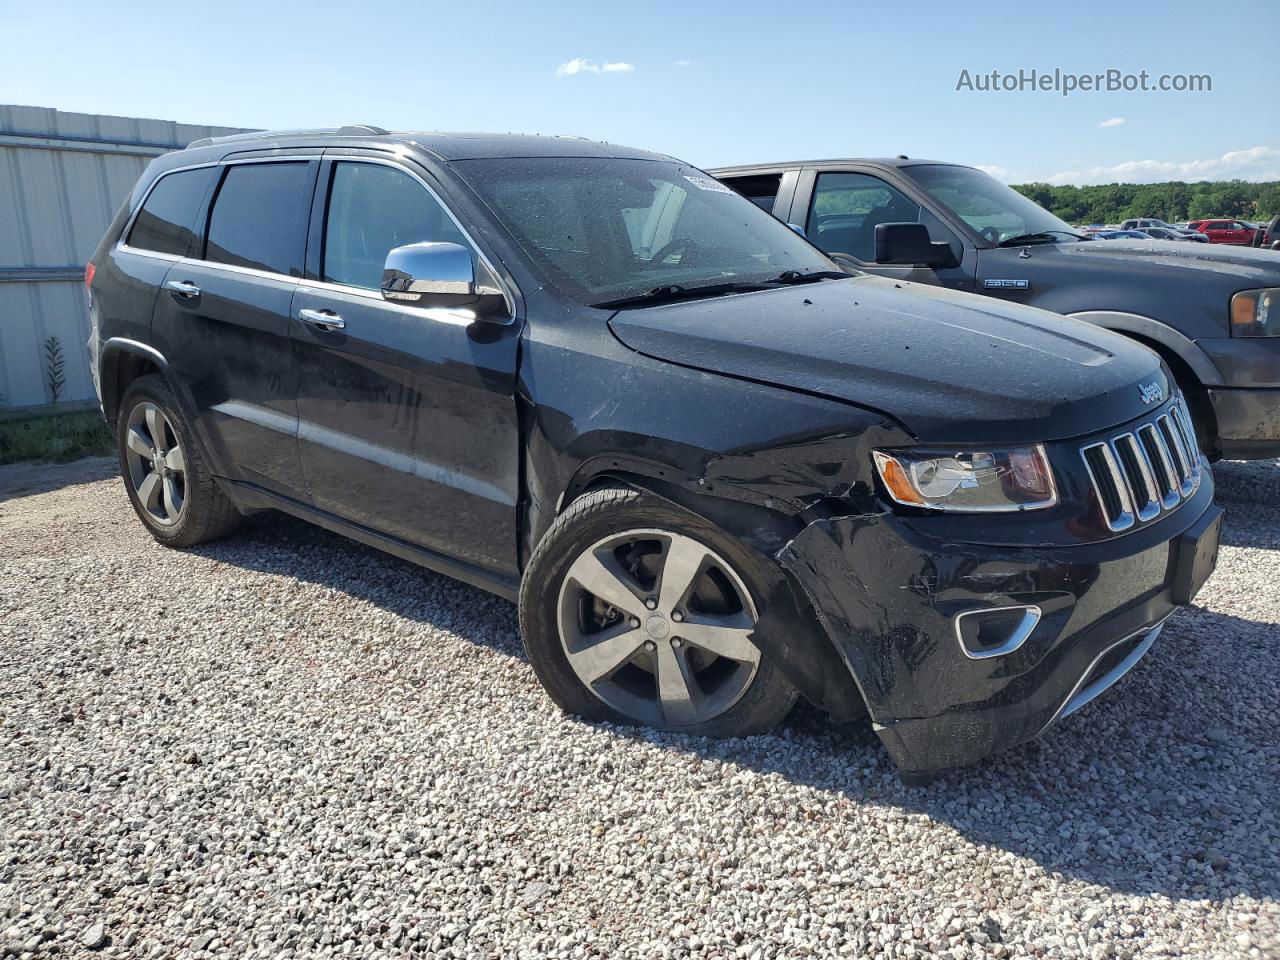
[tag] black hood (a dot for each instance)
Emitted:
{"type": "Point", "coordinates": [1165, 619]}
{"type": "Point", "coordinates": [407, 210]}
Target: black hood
{"type": "Point", "coordinates": [951, 367]}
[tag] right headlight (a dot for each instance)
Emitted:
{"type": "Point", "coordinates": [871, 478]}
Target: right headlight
{"type": "Point", "coordinates": [992, 481]}
{"type": "Point", "coordinates": [1256, 313]}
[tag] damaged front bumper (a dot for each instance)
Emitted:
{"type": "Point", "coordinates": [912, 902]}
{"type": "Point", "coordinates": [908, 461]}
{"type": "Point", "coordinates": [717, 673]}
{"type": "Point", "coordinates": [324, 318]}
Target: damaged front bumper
{"type": "Point", "coordinates": [1068, 622]}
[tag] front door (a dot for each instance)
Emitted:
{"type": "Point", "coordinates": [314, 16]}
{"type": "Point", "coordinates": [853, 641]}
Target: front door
{"type": "Point", "coordinates": [222, 320]}
{"type": "Point", "coordinates": [407, 416]}
{"type": "Point", "coordinates": [846, 207]}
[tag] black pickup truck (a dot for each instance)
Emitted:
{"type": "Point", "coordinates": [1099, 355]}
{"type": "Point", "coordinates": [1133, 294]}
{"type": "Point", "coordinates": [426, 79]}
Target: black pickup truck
{"type": "Point", "coordinates": [1213, 314]}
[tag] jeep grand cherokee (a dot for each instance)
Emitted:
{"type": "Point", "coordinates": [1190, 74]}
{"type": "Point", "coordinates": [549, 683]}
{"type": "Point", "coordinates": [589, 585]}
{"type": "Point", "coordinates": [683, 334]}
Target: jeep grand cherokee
{"type": "Point", "coordinates": [715, 472]}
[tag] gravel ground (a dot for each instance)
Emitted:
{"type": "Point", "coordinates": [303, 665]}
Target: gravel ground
{"type": "Point", "coordinates": [286, 745]}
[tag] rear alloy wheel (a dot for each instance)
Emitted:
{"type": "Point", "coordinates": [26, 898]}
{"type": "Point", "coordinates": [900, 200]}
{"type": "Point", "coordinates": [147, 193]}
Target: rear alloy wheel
{"type": "Point", "coordinates": [157, 464]}
{"type": "Point", "coordinates": [636, 611]}
{"type": "Point", "coordinates": [169, 483]}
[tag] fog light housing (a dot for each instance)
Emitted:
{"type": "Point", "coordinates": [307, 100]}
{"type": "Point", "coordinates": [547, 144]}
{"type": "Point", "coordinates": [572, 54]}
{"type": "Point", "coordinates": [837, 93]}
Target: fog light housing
{"type": "Point", "coordinates": [995, 631]}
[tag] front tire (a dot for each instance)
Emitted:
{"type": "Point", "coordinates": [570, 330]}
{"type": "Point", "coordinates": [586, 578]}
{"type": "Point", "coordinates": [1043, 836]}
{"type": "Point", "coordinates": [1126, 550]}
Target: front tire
{"type": "Point", "coordinates": [635, 611]}
{"type": "Point", "coordinates": [165, 473]}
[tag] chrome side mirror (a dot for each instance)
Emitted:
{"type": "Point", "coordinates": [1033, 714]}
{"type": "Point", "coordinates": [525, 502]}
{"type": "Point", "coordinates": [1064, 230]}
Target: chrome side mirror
{"type": "Point", "coordinates": [439, 275]}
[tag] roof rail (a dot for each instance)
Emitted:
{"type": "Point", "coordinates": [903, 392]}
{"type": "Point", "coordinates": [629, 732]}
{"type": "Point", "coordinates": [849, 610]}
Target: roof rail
{"type": "Point", "coordinates": [351, 130]}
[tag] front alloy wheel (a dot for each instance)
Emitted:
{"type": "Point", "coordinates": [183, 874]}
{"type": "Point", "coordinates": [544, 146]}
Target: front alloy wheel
{"type": "Point", "coordinates": [636, 611]}
{"type": "Point", "coordinates": [655, 624]}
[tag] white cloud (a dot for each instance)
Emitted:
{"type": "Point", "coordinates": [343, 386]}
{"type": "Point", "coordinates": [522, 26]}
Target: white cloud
{"type": "Point", "coordinates": [682, 63]}
{"type": "Point", "coordinates": [585, 65]}
{"type": "Point", "coordinates": [1255, 163]}
{"type": "Point", "coordinates": [1000, 173]}
{"type": "Point", "coordinates": [1113, 122]}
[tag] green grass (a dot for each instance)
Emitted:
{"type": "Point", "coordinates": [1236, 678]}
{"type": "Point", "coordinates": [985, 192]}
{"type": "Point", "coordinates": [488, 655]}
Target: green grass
{"type": "Point", "coordinates": [58, 438]}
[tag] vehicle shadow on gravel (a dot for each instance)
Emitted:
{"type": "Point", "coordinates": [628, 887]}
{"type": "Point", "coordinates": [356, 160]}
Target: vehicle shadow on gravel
{"type": "Point", "coordinates": [1249, 490]}
{"type": "Point", "coordinates": [1165, 786]}
{"type": "Point", "coordinates": [27, 479]}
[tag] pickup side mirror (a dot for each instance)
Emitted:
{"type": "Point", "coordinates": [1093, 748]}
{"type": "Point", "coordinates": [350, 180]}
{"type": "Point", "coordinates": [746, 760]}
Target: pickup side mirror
{"type": "Point", "coordinates": [440, 275]}
{"type": "Point", "coordinates": [910, 243]}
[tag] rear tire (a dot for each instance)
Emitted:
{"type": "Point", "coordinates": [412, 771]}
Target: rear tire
{"type": "Point", "coordinates": [165, 473]}
{"type": "Point", "coordinates": [614, 584]}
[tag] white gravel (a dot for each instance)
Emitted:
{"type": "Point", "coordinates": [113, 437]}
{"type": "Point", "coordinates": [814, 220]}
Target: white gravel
{"type": "Point", "coordinates": [285, 745]}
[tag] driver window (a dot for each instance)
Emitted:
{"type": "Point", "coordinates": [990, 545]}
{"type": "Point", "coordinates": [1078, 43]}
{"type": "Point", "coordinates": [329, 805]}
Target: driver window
{"type": "Point", "coordinates": [846, 209]}
{"type": "Point", "coordinates": [373, 208]}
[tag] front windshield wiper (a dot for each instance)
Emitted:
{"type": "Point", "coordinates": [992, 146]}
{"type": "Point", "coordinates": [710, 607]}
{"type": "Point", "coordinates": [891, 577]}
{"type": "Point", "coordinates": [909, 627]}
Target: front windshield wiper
{"type": "Point", "coordinates": [795, 276]}
{"type": "Point", "coordinates": [1040, 236]}
{"type": "Point", "coordinates": [671, 292]}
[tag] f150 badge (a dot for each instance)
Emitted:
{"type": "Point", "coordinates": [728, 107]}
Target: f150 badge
{"type": "Point", "coordinates": [1150, 392]}
{"type": "Point", "coordinates": [1005, 284]}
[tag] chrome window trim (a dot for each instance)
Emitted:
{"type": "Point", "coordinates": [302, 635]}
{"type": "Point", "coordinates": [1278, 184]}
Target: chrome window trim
{"type": "Point", "coordinates": [436, 313]}
{"type": "Point", "coordinates": [1125, 519]}
{"type": "Point", "coordinates": [1031, 614]}
{"type": "Point", "coordinates": [122, 245]}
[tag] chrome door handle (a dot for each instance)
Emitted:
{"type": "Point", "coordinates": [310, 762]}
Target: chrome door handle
{"type": "Point", "coordinates": [322, 319]}
{"type": "Point", "coordinates": [183, 288]}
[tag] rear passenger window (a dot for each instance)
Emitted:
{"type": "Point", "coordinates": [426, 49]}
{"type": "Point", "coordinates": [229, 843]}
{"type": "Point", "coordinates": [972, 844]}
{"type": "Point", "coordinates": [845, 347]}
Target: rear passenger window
{"type": "Point", "coordinates": [164, 224]}
{"type": "Point", "coordinates": [259, 217]}
{"type": "Point", "coordinates": [372, 209]}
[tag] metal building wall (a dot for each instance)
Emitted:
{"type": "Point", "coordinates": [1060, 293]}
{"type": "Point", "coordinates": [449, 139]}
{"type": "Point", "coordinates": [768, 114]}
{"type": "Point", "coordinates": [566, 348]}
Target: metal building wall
{"type": "Point", "coordinates": [63, 176]}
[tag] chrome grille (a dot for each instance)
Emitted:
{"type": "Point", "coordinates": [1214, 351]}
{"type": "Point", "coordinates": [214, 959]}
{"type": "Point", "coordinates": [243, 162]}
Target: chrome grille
{"type": "Point", "coordinates": [1151, 469]}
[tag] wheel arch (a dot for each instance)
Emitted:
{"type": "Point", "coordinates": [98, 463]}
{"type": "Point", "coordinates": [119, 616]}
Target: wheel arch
{"type": "Point", "coordinates": [1159, 336]}
{"type": "Point", "coordinates": [122, 362]}
{"type": "Point", "coordinates": [789, 630]}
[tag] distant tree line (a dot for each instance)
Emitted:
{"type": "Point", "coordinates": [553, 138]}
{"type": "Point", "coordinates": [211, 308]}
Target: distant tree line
{"type": "Point", "coordinates": [1171, 202]}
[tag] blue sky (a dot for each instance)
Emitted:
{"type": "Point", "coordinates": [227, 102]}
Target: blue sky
{"type": "Point", "coordinates": [712, 83]}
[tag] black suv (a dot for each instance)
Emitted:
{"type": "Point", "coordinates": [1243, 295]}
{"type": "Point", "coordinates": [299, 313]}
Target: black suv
{"type": "Point", "coordinates": [714, 471]}
{"type": "Point", "coordinates": [1211, 312]}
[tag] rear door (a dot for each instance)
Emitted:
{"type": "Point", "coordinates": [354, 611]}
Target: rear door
{"type": "Point", "coordinates": [407, 416]}
{"type": "Point", "coordinates": [222, 319]}
{"type": "Point", "coordinates": [162, 232]}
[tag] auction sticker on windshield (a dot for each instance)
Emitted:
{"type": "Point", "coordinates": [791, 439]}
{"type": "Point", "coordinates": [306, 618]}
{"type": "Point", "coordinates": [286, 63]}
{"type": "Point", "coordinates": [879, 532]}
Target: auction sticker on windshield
{"type": "Point", "coordinates": [706, 183]}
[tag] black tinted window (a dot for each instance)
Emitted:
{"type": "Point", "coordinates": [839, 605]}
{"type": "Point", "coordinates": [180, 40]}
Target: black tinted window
{"type": "Point", "coordinates": [761, 190]}
{"type": "Point", "coordinates": [373, 208]}
{"type": "Point", "coordinates": [259, 217]}
{"type": "Point", "coordinates": [165, 221]}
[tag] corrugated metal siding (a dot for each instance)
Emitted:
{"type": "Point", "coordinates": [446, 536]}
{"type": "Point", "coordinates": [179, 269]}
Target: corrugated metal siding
{"type": "Point", "coordinates": [62, 178]}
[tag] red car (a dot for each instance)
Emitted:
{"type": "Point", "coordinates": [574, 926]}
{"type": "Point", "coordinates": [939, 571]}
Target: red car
{"type": "Point", "coordinates": [1226, 231]}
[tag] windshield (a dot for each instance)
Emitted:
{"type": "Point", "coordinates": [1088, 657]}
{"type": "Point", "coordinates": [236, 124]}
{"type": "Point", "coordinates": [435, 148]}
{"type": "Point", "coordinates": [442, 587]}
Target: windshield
{"type": "Point", "coordinates": [997, 212]}
{"type": "Point", "coordinates": [606, 229]}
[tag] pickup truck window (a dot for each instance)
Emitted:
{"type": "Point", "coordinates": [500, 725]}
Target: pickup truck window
{"type": "Point", "coordinates": [847, 207]}
{"type": "Point", "coordinates": [605, 229]}
{"type": "Point", "coordinates": [762, 189]}
{"type": "Point", "coordinates": [993, 210]}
